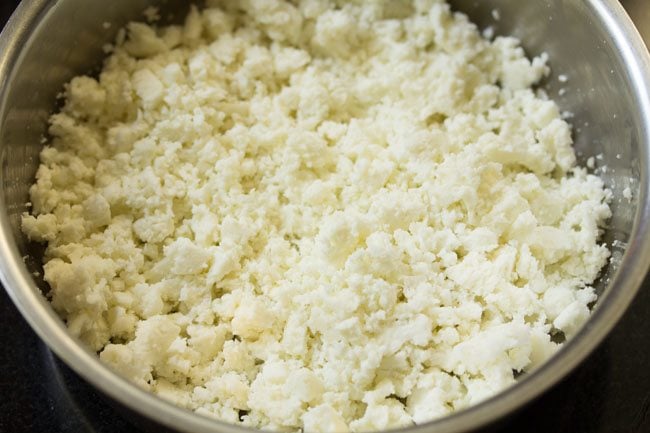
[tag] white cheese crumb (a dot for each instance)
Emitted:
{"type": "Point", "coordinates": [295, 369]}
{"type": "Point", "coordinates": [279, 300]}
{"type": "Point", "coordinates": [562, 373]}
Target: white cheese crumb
{"type": "Point", "coordinates": [255, 216]}
{"type": "Point", "coordinates": [151, 14]}
{"type": "Point", "coordinates": [488, 33]}
{"type": "Point", "coordinates": [591, 163]}
{"type": "Point", "coordinates": [627, 194]}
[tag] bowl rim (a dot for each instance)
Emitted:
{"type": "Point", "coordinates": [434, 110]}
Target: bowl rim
{"type": "Point", "coordinates": [50, 328]}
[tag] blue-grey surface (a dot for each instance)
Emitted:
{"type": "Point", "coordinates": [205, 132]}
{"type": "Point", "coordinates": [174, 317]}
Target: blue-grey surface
{"type": "Point", "coordinates": [609, 393]}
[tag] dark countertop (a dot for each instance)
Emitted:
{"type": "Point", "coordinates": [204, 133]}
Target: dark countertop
{"type": "Point", "coordinates": [608, 393]}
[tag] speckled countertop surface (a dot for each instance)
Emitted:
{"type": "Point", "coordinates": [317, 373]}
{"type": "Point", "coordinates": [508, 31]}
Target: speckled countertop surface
{"type": "Point", "coordinates": [608, 393]}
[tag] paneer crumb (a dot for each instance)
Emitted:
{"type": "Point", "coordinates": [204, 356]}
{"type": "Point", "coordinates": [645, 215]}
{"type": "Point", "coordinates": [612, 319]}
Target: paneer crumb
{"type": "Point", "coordinates": [627, 194]}
{"type": "Point", "coordinates": [301, 216]}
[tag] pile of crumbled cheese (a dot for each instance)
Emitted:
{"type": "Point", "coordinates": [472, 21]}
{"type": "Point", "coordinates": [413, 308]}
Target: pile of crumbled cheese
{"type": "Point", "coordinates": [321, 215]}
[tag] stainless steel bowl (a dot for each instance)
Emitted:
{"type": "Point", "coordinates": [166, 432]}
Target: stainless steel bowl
{"type": "Point", "coordinates": [592, 42]}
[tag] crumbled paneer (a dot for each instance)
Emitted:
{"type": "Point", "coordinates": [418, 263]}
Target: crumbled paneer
{"type": "Point", "coordinates": [322, 215]}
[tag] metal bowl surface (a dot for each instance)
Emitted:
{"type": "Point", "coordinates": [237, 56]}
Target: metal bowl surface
{"type": "Point", "coordinates": [592, 42]}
